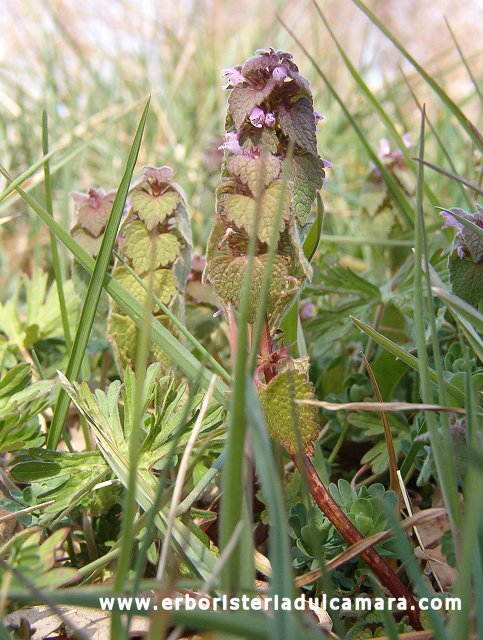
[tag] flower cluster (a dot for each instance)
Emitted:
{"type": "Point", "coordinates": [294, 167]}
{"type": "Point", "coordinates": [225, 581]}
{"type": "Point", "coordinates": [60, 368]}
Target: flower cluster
{"type": "Point", "coordinates": [92, 212]}
{"type": "Point", "coordinates": [393, 159]}
{"type": "Point", "coordinates": [270, 121]}
{"type": "Point", "coordinates": [154, 243]}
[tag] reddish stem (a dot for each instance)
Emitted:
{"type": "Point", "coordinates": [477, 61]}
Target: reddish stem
{"type": "Point", "coordinates": [337, 517]}
{"type": "Point", "coordinates": [349, 532]}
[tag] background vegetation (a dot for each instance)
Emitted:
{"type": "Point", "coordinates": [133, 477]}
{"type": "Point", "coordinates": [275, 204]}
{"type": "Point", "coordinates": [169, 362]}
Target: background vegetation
{"type": "Point", "coordinates": [381, 286]}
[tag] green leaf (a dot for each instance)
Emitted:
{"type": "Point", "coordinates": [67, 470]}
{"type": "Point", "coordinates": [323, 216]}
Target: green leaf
{"type": "Point", "coordinates": [286, 418]}
{"type": "Point", "coordinates": [95, 287]}
{"type": "Point", "coordinates": [153, 209]}
{"type": "Point", "coordinates": [242, 210]}
{"type": "Point", "coordinates": [255, 172]}
{"type": "Point", "coordinates": [148, 251]}
{"type": "Point", "coordinates": [306, 179]}
{"type": "Point", "coordinates": [466, 278]}
{"type": "Point", "coordinates": [163, 283]}
{"type": "Point", "coordinates": [66, 478]}
{"type": "Point", "coordinates": [112, 433]}
{"type": "Point", "coordinates": [21, 401]}
{"type": "Point", "coordinates": [297, 122]}
{"type": "Point", "coordinates": [227, 276]}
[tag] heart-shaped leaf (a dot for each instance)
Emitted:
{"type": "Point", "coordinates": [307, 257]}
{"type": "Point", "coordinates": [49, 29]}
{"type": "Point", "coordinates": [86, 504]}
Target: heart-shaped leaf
{"type": "Point", "coordinates": [255, 172]}
{"type": "Point", "coordinates": [243, 210]}
{"type": "Point", "coordinates": [153, 209]}
{"type": "Point", "coordinates": [227, 274]}
{"type": "Point", "coordinates": [148, 251]}
{"type": "Point", "coordinates": [287, 419]}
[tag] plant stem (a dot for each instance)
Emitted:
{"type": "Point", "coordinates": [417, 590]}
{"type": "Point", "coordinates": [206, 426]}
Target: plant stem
{"type": "Point", "coordinates": [351, 534]}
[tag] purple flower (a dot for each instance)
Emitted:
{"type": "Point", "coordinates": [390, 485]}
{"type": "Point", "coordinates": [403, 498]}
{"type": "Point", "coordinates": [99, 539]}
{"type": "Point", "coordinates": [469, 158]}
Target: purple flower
{"type": "Point", "coordinates": [318, 117]}
{"type": "Point", "coordinates": [234, 77]}
{"type": "Point", "coordinates": [279, 74]}
{"type": "Point", "coordinates": [307, 310]}
{"type": "Point", "coordinates": [232, 144]}
{"type": "Point", "coordinates": [384, 148]}
{"type": "Point", "coordinates": [198, 262]}
{"type": "Point", "coordinates": [327, 164]}
{"type": "Point", "coordinates": [460, 250]}
{"type": "Point", "coordinates": [451, 221]}
{"type": "Point", "coordinates": [257, 117]}
{"type": "Point", "coordinates": [407, 140]}
{"type": "Point", "coordinates": [270, 119]}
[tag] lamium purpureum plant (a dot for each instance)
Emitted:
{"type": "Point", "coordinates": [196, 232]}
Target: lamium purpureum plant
{"type": "Point", "coordinates": [270, 123]}
{"type": "Point", "coordinates": [154, 250]}
{"type": "Point", "coordinates": [271, 174]}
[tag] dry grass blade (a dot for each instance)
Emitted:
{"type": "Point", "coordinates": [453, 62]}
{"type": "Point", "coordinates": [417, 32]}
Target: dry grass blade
{"type": "Point", "coordinates": [412, 635]}
{"type": "Point", "coordinates": [18, 514]}
{"type": "Point", "coordinates": [382, 406]}
{"type": "Point", "coordinates": [358, 547]}
{"type": "Point", "coordinates": [393, 481]}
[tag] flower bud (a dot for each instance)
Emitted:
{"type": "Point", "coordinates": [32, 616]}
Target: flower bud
{"type": "Point", "coordinates": [270, 119]}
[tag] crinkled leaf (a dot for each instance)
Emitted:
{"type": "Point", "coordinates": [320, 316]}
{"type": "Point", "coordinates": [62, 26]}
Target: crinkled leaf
{"type": "Point", "coordinates": [284, 417]}
{"type": "Point", "coordinates": [88, 242]}
{"type": "Point", "coordinates": [227, 276]}
{"type": "Point", "coordinates": [466, 278]}
{"type": "Point", "coordinates": [297, 122]}
{"type": "Point", "coordinates": [242, 210]}
{"type": "Point", "coordinates": [306, 180]}
{"type": "Point", "coordinates": [122, 333]}
{"type": "Point", "coordinates": [471, 238]}
{"type": "Point", "coordinates": [255, 172]}
{"type": "Point", "coordinates": [148, 251]}
{"type": "Point", "coordinates": [244, 98]}
{"type": "Point", "coordinates": [153, 209]}
{"type": "Point", "coordinates": [164, 284]}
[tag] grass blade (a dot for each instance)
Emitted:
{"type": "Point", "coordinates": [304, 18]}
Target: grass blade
{"type": "Point", "coordinates": [95, 287]}
{"type": "Point", "coordinates": [453, 176]}
{"type": "Point", "coordinates": [452, 106]}
{"type": "Point", "coordinates": [371, 97]}
{"type": "Point", "coordinates": [53, 242]}
{"type": "Point", "coordinates": [442, 447]}
{"type": "Point", "coordinates": [406, 357]}
{"type": "Point", "coordinates": [395, 190]}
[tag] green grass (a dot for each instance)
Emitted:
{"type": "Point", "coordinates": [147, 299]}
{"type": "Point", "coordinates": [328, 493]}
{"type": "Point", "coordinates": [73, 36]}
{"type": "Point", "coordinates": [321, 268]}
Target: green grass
{"type": "Point", "coordinates": [380, 285]}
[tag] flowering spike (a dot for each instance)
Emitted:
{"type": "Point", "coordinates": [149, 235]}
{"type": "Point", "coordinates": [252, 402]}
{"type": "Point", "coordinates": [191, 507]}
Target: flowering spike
{"type": "Point", "coordinates": [270, 116]}
{"type": "Point", "coordinates": [154, 242]}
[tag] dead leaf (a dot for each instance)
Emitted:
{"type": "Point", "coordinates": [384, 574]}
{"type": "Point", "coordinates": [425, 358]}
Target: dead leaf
{"type": "Point", "coordinates": [94, 623]}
